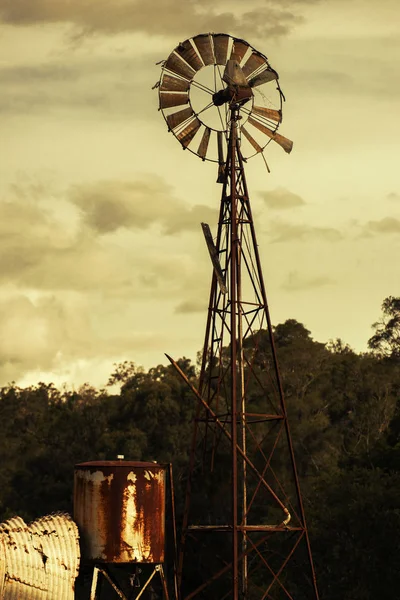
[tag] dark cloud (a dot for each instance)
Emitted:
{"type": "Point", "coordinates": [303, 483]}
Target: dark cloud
{"type": "Point", "coordinates": [194, 305]}
{"type": "Point", "coordinates": [52, 73]}
{"type": "Point", "coordinates": [388, 225]}
{"type": "Point", "coordinates": [282, 231]}
{"type": "Point", "coordinates": [166, 17]}
{"type": "Point", "coordinates": [296, 282]}
{"type": "Point", "coordinates": [281, 199]}
{"type": "Point", "coordinates": [112, 205]}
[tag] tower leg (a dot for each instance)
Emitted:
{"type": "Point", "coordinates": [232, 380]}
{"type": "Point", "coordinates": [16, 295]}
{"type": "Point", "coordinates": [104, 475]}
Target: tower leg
{"type": "Point", "coordinates": [163, 581]}
{"type": "Point", "coordinates": [95, 582]}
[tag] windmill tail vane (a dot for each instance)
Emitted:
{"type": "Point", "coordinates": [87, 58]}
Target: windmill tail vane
{"type": "Point", "coordinates": [248, 536]}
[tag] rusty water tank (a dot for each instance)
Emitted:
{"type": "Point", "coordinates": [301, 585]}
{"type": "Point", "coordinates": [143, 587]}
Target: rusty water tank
{"type": "Point", "coordinates": [119, 507]}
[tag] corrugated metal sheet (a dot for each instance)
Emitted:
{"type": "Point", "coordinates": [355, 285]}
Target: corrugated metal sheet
{"type": "Point", "coordinates": [39, 561]}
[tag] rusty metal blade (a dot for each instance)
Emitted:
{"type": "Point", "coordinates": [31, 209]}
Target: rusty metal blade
{"type": "Point", "coordinates": [214, 257]}
{"type": "Point", "coordinates": [177, 65]}
{"type": "Point", "coordinates": [268, 113]}
{"type": "Point", "coordinates": [179, 117]}
{"type": "Point", "coordinates": [263, 77]}
{"type": "Point", "coordinates": [189, 54]}
{"type": "Point", "coordinates": [239, 49]}
{"type": "Point", "coordinates": [252, 141]}
{"type": "Point", "coordinates": [255, 61]}
{"type": "Point", "coordinates": [170, 99]}
{"type": "Point", "coordinates": [285, 143]}
{"type": "Point", "coordinates": [203, 43]}
{"type": "Point", "coordinates": [221, 162]}
{"type": "Point", "coordinates": [203, 146]}
{"type": "Point", "coordinates": [221, 41]}
{"type": "Point", "coordinates": [187, 134]}
{"type": "Point", "coordinates": [220, 147]}
{"type": "Point", "coordinates": [173, 84]}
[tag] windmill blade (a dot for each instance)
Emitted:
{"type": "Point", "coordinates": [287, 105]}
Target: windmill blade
{"type": "Point", "coordinates": [189, 54]}
{"type": "Point", "coordinates": [203, 146]}
{"type": "Point", "coordinates": [173, 84]}
{"type": "Point", "coordinates": [221, 41]}
{"type": "Point", "coordinates": [203, 43]}
{"type": "Point", "coordinates": [263, 77]}
{"type": "Point", "coordinates": [177, 65]}
{"type": "Point", "coordinates": [252, 141]}
{"type": "Point", "coordinates": [285, 143]}
{"type": "Point", "coordinates": [268, 113]}
{"type": "Point", "coordinates": [254, 62]}
{"type": "Point", "coordinates": [220, 136]}
{"type": "Point", "coordinates": [214, 257]}
{"type": "Point", "coordinates": [221, 162]}
{"type": "Point", "coordinates": [239, 49]}
{"type": "Point", "coordinates": [179, 117]}
{"type": "Point", "coordinates": [171, 99]}
{"type": "Point", "coordinates": [187, 134]}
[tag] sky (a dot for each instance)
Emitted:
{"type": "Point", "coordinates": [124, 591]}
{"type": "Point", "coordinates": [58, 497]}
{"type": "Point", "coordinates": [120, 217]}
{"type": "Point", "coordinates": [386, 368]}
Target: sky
{"type": "Point", "coordinates": [102, 257]}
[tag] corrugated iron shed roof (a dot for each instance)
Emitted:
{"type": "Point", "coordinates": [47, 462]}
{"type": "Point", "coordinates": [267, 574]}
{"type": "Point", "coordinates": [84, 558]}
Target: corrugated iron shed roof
{"type": "Point", "coordinates": [39, 561]}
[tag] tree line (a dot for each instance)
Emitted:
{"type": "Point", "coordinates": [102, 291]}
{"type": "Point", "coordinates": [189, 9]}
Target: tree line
{"type": "Point", "coordinates": [344, 412]}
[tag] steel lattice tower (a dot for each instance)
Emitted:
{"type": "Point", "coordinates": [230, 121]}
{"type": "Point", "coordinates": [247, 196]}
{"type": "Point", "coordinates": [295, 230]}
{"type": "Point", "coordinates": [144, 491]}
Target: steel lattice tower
{"type": "Point", "coordinates": [258, 529]}
{"type": "Point", "coordinates": [244, 533]}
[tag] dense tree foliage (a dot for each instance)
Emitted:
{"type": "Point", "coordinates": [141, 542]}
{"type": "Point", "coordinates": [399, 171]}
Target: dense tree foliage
{"type": "Point", "coordinates": [344, 412]}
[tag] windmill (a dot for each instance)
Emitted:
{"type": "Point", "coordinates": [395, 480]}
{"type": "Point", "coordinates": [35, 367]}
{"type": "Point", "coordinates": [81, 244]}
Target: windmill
{"type": "Point", "coordinates": [222, 100]}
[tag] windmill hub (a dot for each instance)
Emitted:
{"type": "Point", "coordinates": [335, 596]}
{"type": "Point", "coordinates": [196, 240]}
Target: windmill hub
{"type": "Point", "coordinates": [233, 94]}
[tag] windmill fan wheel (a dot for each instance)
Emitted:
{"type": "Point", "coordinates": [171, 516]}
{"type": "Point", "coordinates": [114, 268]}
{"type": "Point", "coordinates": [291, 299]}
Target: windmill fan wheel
{"type": "Point", "coordinates": [203, 78]}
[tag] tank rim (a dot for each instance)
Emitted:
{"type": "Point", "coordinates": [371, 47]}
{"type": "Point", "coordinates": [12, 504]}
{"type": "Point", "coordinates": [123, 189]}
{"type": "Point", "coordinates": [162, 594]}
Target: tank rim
{"type": "Point", "coordinates": [119, 463]}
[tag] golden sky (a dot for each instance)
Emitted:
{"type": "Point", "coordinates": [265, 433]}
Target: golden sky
{"type": "Point", "coordinates": [101, 252]}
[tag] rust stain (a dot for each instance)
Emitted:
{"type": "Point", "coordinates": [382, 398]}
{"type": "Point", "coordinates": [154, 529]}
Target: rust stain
{"type": "Point", "coordinates": [120, 510]}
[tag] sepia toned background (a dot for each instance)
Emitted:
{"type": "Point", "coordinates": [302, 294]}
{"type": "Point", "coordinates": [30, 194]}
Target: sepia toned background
{"type": "Point", "coordinates": [102, 257]}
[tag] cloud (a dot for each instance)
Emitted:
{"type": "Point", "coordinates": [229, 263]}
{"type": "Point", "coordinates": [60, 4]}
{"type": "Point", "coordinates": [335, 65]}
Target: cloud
{"type": "Point", "coordinates": [50, 72]}
{"type": "Point", "coordinates": [387, 225]}
{"type": "Point", "coordinates": [393, 196]}
{"type": "Point", "coordinates": [36, 334]}
{"type": "Point", "coordinates": [84, 284]}
{"type": "Point", "coordinates": [27, 232]}
{"type": "Point", "coordinates": [105, 85]}
{"type": "Point", "coordinates": [172, 17]}
{"type": "Point", "coordinates": [282, 231]}
{"type": "Point", "coordinates": [84, 242]}
{"type": "Point", "coordinates": [296, 282]}
{"type": "Point", "coordinates": [338, 67]}
{"type": "Point", "coordinates": [193, 305]}
{"type": "Point", "coordinates": [111, 205]}
{"type": "Point", "coordinates": [281, 199]}
{"type": "Point", "coordinates": [50, 333]}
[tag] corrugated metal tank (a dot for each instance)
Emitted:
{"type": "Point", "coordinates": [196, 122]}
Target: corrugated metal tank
{"type": "Point", "coordinates": [119, 507]}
